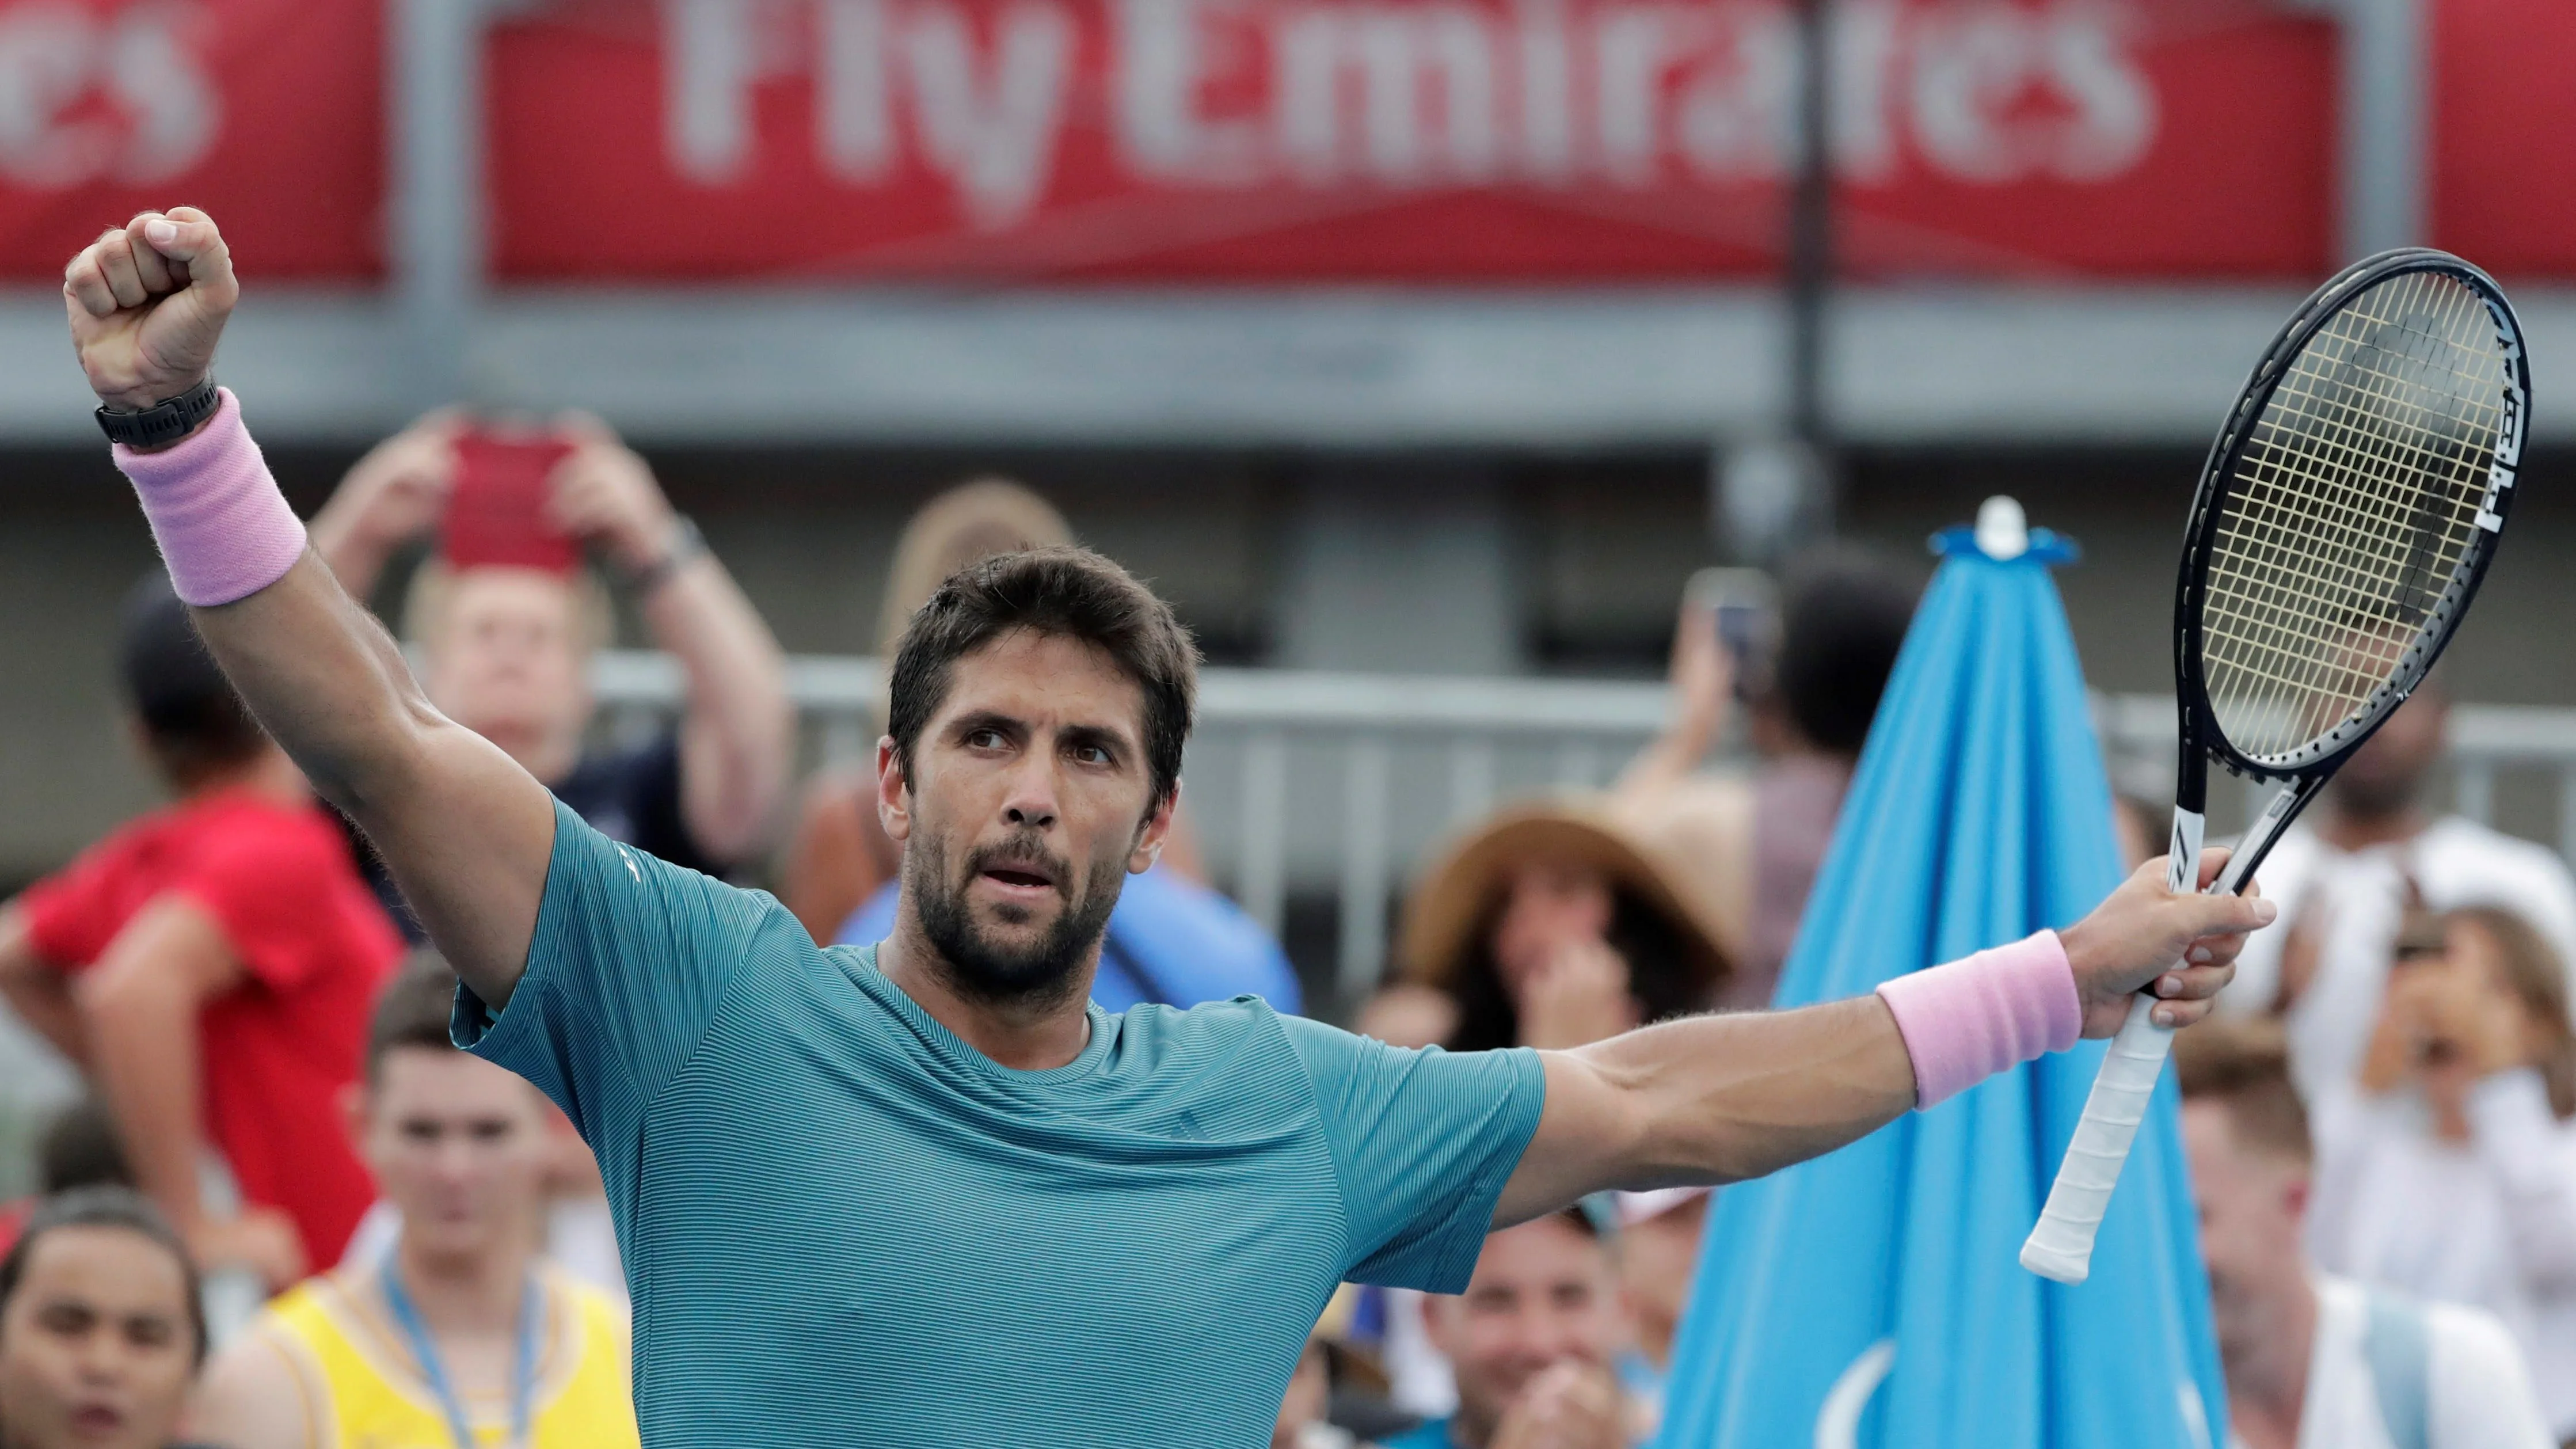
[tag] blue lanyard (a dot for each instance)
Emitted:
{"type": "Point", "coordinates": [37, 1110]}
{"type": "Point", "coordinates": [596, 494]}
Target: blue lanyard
{"type": "Point", "coordinates": [523, 1375]}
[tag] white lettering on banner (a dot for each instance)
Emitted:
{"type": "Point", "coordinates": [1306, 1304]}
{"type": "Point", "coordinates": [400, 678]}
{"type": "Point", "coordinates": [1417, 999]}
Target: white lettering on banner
{"type": "Point", "coordinates": [1401, 58]}
{"type": "Point", "coordinates": [163, 111]}
{"type": "Point", "coordinates": [1241, 94]}
{"type": "Point", "coordinates": [994, 138]}
{"type": "Point", "coordinates": [1969, 73]}
{"type": "Point", "coordinates": [1161, 66]}
{"type": "Point", "coordinates": [711, 51]}
{"type": "Point", "coordinates": [855, 113]}
{"type": "Point", "coordinates": [989, 127]}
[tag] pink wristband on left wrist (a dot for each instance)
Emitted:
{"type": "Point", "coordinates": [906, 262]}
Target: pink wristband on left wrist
{"type": "Point", "coordinates": [1968, 1019]}
{"type": "Point", "coordinates": [225, 531]}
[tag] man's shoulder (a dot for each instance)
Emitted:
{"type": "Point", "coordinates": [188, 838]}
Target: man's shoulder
{"type": "Point", "coordinates": [2469, 850]}
{"type": "Point", "coordinates": [1211, 1028]}
{"type": "Point", "coordinates": [2466, 1339]}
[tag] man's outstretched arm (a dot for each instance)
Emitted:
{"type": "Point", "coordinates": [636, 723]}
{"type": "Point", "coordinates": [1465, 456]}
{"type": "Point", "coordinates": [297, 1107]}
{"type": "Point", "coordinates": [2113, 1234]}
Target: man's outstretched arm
{"type": "Point", "coordinates": [466, 832]}
{"type": "Point", "coordinates": [1717, 1099]}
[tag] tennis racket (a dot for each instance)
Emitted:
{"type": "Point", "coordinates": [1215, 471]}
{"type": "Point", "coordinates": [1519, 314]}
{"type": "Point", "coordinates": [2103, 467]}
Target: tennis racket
{"type": "Point", "coordinates": [2344, 519]}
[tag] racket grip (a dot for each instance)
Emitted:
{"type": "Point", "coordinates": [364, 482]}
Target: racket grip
{"type": "Point", "coordinates": [2061, 1247]}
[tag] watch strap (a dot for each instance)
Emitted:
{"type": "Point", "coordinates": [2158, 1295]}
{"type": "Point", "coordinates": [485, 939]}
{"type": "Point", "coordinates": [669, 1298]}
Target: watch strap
{"type": "Point", "coordinates": [686, 544]}
{"type": "Point", "coordinates": [163, 423]}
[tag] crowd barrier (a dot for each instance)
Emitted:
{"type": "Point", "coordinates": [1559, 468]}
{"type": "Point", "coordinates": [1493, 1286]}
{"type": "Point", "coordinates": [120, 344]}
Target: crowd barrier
{"type": "Point", "coordinates": [1335, 785]}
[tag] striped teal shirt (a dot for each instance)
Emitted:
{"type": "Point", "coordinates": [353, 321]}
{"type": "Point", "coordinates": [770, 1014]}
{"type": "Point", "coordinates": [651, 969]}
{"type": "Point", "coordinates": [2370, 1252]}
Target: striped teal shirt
{"type": "Point", "coordinates": [846, 1229]}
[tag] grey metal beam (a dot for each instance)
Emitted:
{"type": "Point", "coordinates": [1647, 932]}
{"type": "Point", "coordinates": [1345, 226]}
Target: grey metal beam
{"type": "Point", "coordinates": [434, 243]}
{"type": "Point", "coordinates": [2385, 106]}
{"type": "Point", "coordinates": [1323, 368]}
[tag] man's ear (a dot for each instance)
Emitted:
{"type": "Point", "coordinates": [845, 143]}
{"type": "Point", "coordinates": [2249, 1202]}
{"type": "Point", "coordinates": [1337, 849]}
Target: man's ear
{"type": "Point", "coordinates": [894, 792]}
{"type": "Point", "coordinates": [1151, 835]}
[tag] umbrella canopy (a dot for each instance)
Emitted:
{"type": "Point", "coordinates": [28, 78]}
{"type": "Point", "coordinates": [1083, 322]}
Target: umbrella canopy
{"type": "Point", "coordinates": [1872, 1299]}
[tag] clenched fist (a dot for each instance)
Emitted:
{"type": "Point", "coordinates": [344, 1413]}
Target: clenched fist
{"type": "Point", "coordinates": [148, 302]}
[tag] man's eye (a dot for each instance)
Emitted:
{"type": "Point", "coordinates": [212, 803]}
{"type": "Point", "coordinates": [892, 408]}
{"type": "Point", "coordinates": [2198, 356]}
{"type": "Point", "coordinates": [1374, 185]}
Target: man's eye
{"type": "Point", "coordinates": [1091, 754]}
{"type": "Point", "coordinates": [984, 740]}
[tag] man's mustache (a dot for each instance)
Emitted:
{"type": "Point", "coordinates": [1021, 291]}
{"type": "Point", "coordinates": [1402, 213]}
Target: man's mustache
{"type": "Point", "coordinates": [1027, 855]}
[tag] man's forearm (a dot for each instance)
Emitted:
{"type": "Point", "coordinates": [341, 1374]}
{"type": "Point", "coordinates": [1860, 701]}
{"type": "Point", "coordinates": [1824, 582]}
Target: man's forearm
{"type": "Point", "coordinates": [466, 832]}
{"type": "Point", "coordinates": [40, 995]}
{"type": "Point", "coordinates": [327, 683]}
{"type": "Point", "coordinates": [355, 560]}
{"type": "Point", "coordinates": [143, 1051]}
{"type": "Point", "coordinates": [738, 733]}
{"type": "Point", "coordinates": [1726, 1098]}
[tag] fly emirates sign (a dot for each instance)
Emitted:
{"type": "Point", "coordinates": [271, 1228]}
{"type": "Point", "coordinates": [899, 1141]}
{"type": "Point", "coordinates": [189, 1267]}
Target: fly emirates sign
{"type": "Point", "coordinates": [1425, 139]}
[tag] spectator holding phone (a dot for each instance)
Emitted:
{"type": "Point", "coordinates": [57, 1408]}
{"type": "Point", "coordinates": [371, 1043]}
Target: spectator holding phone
{"type": "Point", "coordinates": [2316, 1361]}
{"type": "Point", "coordinates": [1809, 685]}
{"type": "Point", "coordinates": [2345, 873]}
{"type": "Point", "coordinates": [210, 968]}
{"type": "Point", "coordinates": [506, 620]}
{"type": "Point", "coordinates": [2450, 1173]}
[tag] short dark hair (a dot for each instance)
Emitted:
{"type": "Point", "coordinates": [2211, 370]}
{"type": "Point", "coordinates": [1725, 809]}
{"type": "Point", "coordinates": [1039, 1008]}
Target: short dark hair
{"type": "Point", "coordinates": [82, 1148]}
{"type": "Point", "coordinates": [105, 1207]}
{"type": "Point", "coordinates": [191, 718]}
{"type": "Point", "coordinates": [413, 1009]}
{"type": "Point", "coordinates": [2244, 1066]}
{"type": "Point", "coordinates": [1069, 593]}
{"type": "Point", "coordinates": [1843, 619]}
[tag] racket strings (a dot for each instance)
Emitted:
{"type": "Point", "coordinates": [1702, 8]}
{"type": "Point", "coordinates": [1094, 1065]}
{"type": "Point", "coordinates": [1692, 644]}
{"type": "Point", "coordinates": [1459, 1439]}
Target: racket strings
{"type": "Point", "coordinates": [2354, 505]}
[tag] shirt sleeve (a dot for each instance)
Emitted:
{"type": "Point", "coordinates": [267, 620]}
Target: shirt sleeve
{"type": "Point", "coordinates": [631, 958]}
{"type": "Point", "coordinates": [70, 919]}
{"type": "Point", "coordinates": [2518, 1137]}
{"type": "Point", "coordinates": [268, 886]}
{"type": "Point", "coordinates": [1422, 1143]}
{"type": "Point", "coordinates": [2478, 1390]}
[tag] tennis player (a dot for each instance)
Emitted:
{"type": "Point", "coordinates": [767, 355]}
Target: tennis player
{"type": "Point", "coordinates": [925, 1193]}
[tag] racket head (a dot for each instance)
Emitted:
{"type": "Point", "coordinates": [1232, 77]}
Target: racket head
{"type": "Point", "coordinates": [2348, 511]}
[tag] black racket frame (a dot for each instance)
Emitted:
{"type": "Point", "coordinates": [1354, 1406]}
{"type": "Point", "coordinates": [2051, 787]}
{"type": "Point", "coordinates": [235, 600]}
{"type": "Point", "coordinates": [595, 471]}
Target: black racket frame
{"type": "Point", "coordinates": [2200, 738]}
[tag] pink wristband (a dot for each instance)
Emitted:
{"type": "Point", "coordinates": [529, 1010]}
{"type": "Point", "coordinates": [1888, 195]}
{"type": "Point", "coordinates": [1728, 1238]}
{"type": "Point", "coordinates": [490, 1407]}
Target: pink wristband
{"type": "Point", "coordinates": [224, 529]}
{"type": "Point", "coordinates": [1965, 1021]}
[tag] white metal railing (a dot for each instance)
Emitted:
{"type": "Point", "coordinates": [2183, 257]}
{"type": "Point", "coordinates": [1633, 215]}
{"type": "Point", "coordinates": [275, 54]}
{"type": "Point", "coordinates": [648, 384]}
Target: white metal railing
{"type": "Point", "coordinates": [1339, 782]}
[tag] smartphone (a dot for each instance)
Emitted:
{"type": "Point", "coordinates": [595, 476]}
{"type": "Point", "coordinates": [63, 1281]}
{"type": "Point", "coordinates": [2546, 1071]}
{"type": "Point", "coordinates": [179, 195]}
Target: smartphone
{"type": "Point", "coordinates": [497, 512]}
{"type": "Point", "coordinates": [1746, 605]}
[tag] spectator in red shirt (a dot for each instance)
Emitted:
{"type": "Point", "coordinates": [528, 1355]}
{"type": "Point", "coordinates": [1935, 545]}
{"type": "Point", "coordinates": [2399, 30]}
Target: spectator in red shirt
{"type": "Point", "coordinates": [211, 967]}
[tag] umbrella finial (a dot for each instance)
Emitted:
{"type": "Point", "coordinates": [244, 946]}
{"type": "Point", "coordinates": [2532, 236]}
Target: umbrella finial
{"type": "Point", "coordinates": [2002, 530]}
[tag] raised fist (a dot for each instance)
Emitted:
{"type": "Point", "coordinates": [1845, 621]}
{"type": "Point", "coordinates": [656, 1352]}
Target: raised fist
{"type": "Point", "coordinates": [147, 302]}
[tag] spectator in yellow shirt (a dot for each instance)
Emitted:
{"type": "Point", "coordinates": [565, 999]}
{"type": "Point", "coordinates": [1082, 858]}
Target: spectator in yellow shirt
{"type": "Point", "coordinates": [461, 1335]}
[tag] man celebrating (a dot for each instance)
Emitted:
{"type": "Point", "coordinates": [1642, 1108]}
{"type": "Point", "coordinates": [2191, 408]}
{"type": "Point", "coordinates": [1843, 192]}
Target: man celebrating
{"type": "Point", "coordinates": [925, 1193]}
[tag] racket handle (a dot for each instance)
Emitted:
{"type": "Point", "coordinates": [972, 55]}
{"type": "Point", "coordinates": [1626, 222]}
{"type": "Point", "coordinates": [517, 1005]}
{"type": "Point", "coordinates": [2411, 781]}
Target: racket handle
{"type": "Point", "coordinates": [2061, 1247]}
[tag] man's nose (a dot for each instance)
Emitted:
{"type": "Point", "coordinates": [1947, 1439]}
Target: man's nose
{"type": "Point", "coordinates": [1031, 799]}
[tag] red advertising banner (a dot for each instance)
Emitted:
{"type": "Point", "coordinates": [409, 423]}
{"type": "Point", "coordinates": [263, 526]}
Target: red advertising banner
{"type": "Point", "coordinates": [268, 113]}
{"type": "Point", "coordinates": [2504, 181]}
{"type": "Point", "coordinates": [1400, 140]}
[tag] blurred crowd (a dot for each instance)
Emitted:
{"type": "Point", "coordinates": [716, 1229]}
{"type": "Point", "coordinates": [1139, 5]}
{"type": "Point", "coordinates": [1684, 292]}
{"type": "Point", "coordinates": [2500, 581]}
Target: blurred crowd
{"type": "Point", "coordinates": [288, 1212]}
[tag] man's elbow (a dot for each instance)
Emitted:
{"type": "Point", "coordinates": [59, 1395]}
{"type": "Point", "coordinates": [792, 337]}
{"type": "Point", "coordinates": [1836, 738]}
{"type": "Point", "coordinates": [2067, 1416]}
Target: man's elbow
{"type": "Point", "coordinates": [122, 1000]}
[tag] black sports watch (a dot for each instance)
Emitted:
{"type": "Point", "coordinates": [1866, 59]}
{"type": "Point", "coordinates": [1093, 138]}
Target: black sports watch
{"type": "Point", "coordinates": [162, 423]}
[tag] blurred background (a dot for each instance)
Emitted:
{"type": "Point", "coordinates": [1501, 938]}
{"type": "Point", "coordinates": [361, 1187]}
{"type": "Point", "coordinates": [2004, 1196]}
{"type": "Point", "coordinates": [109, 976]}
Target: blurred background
{"type": "Point", "coordinates": [1419, 350]}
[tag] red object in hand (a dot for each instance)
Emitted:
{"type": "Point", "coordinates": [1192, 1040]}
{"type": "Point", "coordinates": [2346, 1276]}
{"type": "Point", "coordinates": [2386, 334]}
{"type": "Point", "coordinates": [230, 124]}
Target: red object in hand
{"type": "Point", "coordinates": [497, 514]}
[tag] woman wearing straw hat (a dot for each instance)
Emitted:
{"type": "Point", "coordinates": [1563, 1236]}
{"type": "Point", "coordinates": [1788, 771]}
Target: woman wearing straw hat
{"type": "Point", "coordinates": [1551, 925]}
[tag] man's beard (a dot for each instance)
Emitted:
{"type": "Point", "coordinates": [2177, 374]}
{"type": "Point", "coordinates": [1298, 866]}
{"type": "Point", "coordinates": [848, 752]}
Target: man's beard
{"type": "Point", "coordinates": [977, 966]}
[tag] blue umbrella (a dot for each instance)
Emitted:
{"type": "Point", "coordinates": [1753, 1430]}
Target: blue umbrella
{"type": "Point", "coordinates": [1872, 1297]}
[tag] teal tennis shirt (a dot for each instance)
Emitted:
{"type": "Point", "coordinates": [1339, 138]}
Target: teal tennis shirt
{"type": "Point", "coordinates": [846, 1229]}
